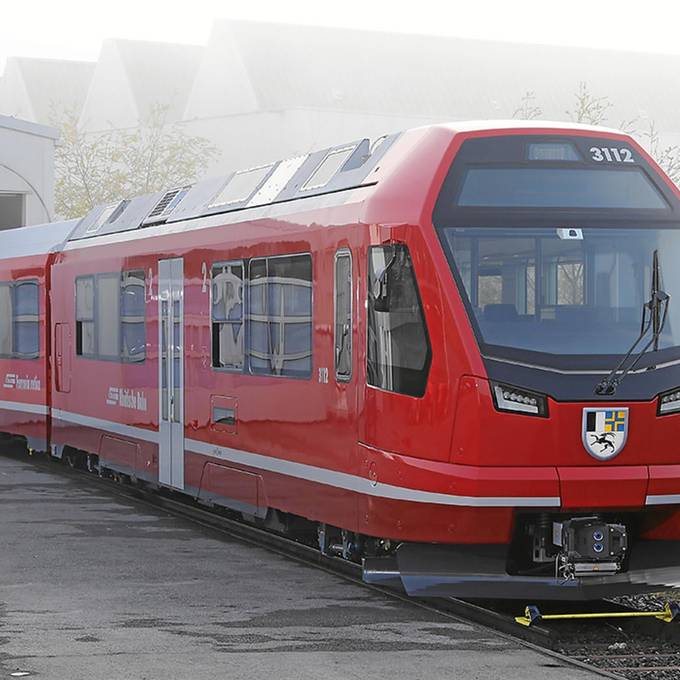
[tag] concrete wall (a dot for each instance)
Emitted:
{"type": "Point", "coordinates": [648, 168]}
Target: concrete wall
{"type": "Point", "coordinates": [26, 172]}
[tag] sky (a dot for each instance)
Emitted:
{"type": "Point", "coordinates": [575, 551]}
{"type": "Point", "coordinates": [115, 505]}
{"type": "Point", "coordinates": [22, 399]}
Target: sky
{"type": "Point", "coordinates": [75, 29]}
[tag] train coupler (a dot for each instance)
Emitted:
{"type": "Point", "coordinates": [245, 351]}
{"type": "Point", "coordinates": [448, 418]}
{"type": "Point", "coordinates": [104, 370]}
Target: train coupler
{"type": "Point", "coordinates": [589, 547]}
{"type": "Point", "coordinates": [532, 614]}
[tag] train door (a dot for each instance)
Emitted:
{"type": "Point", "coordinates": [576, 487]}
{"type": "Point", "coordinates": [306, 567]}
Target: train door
{"type": "Point", "coordinates": [171, 372]}
{"type": "Point", "coordinates": [406, 408]}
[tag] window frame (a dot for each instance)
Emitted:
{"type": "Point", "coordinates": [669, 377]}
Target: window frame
{"type": "Point", "coordinates": [13, 318]}
{"type": "Point", "coordinates": [244, 280]}
{"type": "Point", "coordinates": [9, 285]}
{"type": "Point", "coordinates": [34, 318]}
{"type": "Point", "coordinates": [96, 355]}
{"type": "Point", "coordinates": [249, 321]}
{"type": "Point", "coordinates": [344, 252]}
{"type": "Point", "coordinates": [98, 278]}
{"type": "Point", "coordinates": [122, 320]}
{"type": "Point", "coordinates": [93, 321]}
{"type": "Point", "coordinates": [427, 365]}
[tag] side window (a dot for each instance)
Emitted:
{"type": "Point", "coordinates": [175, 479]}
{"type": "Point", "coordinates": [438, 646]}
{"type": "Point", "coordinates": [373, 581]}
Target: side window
{"type": "Point", "coordinates": [227, 315]}
{"type": "Point", "coordinates": [133, 316]}
{"type": "Point", "coordinates": [19, 320]}
{"type": "Point", "coordinates": [26, 320]}
{"type": "Point", "coordinates": [398, 353]}
{"type": "Point", "coordinates": [280, 316]}
{"type": "Point", "coordinates": [107, 313]}
{"type": "Point", "coordinates": [6, 320]}
{"type": "Point", "coordinates": [343, 315]}
{"type": "Point", "coordinates": [111, 316]}
{"type": "Point", "coordinates": [85, 316]}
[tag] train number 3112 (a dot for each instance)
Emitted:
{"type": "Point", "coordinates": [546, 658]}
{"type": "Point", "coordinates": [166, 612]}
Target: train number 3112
{"type": "Point", "coordinates": [611, 155]}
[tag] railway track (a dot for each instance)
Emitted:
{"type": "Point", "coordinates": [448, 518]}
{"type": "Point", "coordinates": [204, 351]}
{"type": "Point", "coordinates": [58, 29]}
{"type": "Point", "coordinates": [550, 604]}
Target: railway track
{"type": "Point", "coordinates": [640, 650]}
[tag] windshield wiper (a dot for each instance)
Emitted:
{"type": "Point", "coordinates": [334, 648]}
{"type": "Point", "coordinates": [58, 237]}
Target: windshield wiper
{"type": "Point", "coordinates": [657, 306]}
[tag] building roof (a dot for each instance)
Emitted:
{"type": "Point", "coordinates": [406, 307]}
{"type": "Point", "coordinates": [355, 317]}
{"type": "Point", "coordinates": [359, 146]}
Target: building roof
{"type": "Point", "coordinates": [132, 77]}
{"type": "Point", "coordinates": [10, 123]}
{"type": "Point", "coordinates": [42, 90]}
{"type": "Point", "coordinates": [250, 66]}
{"type": "Point", "coordinates": [261, 88]}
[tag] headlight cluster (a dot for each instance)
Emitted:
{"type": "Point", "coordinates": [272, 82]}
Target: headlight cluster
{"type": "Point", "coordinates": [513, 399]}
{"type": "Point", "coordinates": [669, 402]}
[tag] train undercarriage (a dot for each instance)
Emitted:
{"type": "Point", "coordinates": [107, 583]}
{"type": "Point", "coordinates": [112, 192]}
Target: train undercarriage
{"type": "Point", "coordinates": [552, 556]}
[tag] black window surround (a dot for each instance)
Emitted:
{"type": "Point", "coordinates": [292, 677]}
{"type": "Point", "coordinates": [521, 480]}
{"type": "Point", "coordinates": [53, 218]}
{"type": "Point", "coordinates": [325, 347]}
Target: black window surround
{"type": "Point", "coordinates": [343, 315]}
{"type": "Point", "coordinates": [399, 351]}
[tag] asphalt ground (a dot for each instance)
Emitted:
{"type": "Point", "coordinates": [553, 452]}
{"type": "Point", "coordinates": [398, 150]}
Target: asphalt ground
{"type": "Point", "coordinates": [95, 586]}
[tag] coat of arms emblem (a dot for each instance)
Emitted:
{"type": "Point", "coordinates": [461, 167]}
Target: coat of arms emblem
{"type": "Point", "coordinates": [604, 431]}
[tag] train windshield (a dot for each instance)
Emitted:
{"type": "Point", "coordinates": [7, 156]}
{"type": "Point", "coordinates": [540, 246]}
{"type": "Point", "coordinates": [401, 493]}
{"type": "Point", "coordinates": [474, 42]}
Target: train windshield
{"type": "Point", "coordinates": [543, 293]}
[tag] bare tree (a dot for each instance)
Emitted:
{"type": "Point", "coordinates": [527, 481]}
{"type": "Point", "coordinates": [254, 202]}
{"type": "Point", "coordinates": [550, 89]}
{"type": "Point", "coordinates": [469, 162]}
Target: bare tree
{"type": "Point", "coordinates": [629, 126]}
{"type": "Point", "coordinates": [589, 108]}
{"type": "Point", "coordinates": [88, 168]}
{"type": "Point", "coordinates": [528, 109]}
{"type": "Point", "coordinates": [667, 157]}
{"type": "Point", "coordinates": [570, 283]}
{"type": "Point", "coordinates": [96, 168]}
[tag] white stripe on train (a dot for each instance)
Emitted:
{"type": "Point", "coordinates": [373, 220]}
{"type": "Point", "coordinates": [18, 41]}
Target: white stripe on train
{"type": "Point", "coordinates": [341, 480]}
{"type": "Point", "coordinates": [108, 425]}
{"type": "Point", "coordinates": [38, 409]}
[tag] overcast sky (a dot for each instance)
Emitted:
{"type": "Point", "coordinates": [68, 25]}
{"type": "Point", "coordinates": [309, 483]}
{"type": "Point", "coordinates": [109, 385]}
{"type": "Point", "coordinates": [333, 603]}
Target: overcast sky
{"type": "Point", "coordinates": [74, 29]}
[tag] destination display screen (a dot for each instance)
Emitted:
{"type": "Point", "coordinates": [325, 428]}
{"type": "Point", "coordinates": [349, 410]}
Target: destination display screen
{"type": "Point", "coordinates": [571, 187]}
{"type": "Point", "coordinates": [552, 180]}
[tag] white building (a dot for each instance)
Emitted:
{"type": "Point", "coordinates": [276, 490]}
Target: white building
{"type": "Point", "coordinates": [26, 172]}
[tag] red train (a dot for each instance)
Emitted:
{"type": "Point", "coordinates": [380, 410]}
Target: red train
{"type": "Point", "coordinates": [422, 347]}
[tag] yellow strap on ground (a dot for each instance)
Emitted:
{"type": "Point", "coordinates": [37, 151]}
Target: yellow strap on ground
{"type": "Point", "coordinates": [532, 615]}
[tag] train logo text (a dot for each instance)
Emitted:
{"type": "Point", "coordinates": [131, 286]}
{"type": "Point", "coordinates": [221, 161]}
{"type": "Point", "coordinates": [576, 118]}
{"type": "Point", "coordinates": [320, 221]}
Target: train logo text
{"type": "Point", "coordinates": [126, 398]}
{"type": "Point", "coordinates": [14, 381]}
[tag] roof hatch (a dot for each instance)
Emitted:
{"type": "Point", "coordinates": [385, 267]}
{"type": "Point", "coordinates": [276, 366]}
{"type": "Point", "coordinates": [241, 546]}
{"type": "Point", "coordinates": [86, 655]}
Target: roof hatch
{"type": "Point", "coordinates": [166, 205]}
{"type": "Point", "coordinates": [109, 213]}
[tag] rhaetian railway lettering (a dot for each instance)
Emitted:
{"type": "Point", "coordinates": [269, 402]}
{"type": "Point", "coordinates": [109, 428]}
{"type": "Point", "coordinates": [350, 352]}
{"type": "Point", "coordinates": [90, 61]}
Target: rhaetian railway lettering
{"type": "Point", "coordinates": [14, 382]}
{"type": "Point", "coordinates": [126, 398]}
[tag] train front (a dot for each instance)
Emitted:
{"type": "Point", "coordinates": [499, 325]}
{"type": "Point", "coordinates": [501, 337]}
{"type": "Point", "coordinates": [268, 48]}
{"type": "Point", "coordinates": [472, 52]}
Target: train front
{"type": "Point", "coordinates": [565, 250]}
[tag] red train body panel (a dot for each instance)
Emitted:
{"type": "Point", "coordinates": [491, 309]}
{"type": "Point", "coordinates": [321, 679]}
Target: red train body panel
{"type": "Point", "coordinates": [24, 338]}
{"type": "Point", "coordinates": [413, 449]}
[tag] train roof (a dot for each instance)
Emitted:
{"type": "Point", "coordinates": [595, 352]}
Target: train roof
{"type": "Point", "coordinates": [39, 239]}
{"type": "Point", "coordinates": [338, 168]}
{"type": "Point", "coordinates": [327, 171]}
{"type": "Point", "coordinates": [517, 124]}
